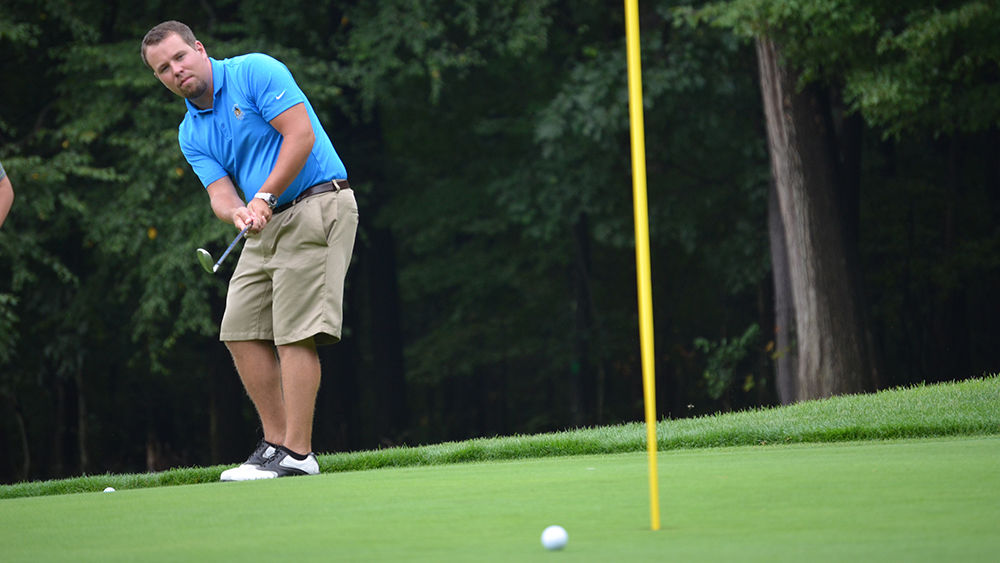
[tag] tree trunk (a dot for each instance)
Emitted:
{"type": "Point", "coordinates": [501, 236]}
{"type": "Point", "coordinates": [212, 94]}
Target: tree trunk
{"type": "Point", "coordinates": [580, 372]}
{"type": "Point", "coordinates": [388, 362]}
{"type": "Point", "coordinates": [22, 435]}
{"type": "Point", "coordinates": [81, 422]}
{"type": "Point", "coordinates": [951, 324]}
{"type": "Point", "coordinates": [214, 440]}
{"type": "Point", "coordinates": [833, 357]}
{"type": "Point", "coordinates": [784, 354]}
{"type": "Point", "coordinates": [56, 465]}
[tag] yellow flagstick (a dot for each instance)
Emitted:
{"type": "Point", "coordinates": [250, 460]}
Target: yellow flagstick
{"type": "Point", "coordinates": [642, 251]}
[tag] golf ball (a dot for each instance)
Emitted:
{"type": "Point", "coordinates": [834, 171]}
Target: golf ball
{"type": "Point", "coordinates": [109, 490]}
{"type": "Point", "coordinates": [554, 537]}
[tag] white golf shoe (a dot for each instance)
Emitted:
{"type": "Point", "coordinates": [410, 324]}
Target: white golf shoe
{"type": "Point", "coordinates": [260, 455]}
{"type": "Point", "coordinates": [281, 464]}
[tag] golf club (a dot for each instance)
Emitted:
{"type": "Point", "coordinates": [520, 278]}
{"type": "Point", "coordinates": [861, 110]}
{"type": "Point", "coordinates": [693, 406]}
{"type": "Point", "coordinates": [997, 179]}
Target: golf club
{"type": "Point", "coordinates": [206, 259]}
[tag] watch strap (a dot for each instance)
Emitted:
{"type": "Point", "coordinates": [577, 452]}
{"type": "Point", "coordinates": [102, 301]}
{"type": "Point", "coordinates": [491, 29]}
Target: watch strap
{"type": "Point", "coordinates": [270, 199]}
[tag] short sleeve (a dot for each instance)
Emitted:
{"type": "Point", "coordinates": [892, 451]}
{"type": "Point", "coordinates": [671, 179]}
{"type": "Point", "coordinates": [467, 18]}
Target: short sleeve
{"type": "Point", "coordinates": [272, 86]}
{"type": "Point", "coordinates": [206, 167]}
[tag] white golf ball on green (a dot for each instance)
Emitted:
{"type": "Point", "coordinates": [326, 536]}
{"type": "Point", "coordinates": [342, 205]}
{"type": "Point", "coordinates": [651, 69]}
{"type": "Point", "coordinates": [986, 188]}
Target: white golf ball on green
{"type": "Point", "coordinates": [554, 537]}
{"type": "Point", "coordinates": [109, 489]}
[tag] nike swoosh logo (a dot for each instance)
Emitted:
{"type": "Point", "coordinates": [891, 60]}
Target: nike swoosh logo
{"type": "Point", "coordinates": [278, 97]}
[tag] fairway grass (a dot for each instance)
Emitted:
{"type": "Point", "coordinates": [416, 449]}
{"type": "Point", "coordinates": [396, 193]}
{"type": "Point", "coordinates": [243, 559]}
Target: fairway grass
{"type": "Point", "coordinates": [906, 500]}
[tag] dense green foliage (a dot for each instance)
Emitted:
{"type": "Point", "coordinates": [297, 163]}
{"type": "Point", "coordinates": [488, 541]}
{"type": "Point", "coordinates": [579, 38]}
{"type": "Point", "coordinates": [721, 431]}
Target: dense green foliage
{"type": "Point", "coordinates": [923, 77]}
{"type": "Point", "coordinates": [493, 288]}
{"type": "Point", "coordinates": [907, 67]}
{"type": "Point", "coordinates": [968, 408]}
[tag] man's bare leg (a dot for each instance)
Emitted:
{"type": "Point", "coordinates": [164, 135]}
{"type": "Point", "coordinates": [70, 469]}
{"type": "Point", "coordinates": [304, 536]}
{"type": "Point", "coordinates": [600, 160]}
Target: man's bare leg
{"type": "Point", "coordinates": [261, 374]}
{"type": "Point", "coordinates": [300, 378]}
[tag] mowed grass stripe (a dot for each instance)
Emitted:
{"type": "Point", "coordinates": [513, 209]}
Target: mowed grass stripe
{"type": "Point", "coordinates": [912, 500]}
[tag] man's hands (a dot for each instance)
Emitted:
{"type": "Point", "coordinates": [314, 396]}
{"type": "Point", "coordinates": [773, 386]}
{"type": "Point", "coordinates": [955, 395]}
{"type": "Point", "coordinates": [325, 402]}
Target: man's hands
{"type": "Point", "coordinates": [256, 212]}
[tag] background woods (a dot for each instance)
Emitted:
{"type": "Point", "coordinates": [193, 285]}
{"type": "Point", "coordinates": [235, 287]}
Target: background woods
{"type": "Point", "coordinates": [493, 287]}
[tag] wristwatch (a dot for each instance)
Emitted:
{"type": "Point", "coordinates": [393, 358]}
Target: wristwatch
{"type": "Point", "coordinates": [269, 199]}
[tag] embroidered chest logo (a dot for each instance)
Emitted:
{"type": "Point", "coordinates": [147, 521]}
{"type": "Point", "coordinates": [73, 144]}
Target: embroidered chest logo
{"type": "Point", "coordinates": [237, 112]}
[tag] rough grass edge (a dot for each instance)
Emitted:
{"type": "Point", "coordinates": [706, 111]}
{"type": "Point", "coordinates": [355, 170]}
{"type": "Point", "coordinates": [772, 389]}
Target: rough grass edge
{"type": "Point", "coordinates": [965, 408]}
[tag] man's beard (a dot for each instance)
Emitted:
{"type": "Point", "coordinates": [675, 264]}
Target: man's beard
{"type": "Point", "coordinates": [198, 91]}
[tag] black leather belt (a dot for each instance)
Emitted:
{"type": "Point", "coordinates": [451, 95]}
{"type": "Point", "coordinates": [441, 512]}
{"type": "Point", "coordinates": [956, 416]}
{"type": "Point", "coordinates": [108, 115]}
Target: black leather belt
{"type": "Point", "coordinates": [332, 186]}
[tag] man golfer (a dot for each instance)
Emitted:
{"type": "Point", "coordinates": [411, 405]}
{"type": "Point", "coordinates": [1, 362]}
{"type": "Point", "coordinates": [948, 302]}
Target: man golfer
{"type": "Point", "coordinates": [250, 129]}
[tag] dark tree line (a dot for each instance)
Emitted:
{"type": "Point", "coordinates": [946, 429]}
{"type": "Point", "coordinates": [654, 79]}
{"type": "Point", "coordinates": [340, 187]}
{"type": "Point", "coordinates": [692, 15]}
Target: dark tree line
{"type": "Point", "coordinates": [493, 286]}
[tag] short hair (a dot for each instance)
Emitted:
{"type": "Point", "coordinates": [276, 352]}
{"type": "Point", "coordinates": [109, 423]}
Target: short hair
{"type": "Point", "coordinates": [162, 31]}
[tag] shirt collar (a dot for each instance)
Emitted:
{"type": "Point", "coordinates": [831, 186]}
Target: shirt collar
{"type": "Point", "coordinates": [218, 78]}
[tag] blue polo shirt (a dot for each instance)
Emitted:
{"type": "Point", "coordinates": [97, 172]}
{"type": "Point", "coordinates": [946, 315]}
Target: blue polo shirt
{"type": "Point", "coordinates": [235, 138]}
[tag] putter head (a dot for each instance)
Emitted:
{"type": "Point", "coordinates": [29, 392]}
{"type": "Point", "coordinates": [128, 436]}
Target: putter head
{"type": "Point", "coordinates": [205, 259]}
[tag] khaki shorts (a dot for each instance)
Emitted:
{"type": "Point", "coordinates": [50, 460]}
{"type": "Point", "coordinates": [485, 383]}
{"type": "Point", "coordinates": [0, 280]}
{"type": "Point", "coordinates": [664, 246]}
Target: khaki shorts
{"type": "Point", "coordinates": [289, 283]}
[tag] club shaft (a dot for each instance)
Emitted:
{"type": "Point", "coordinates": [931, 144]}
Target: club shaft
{"type": "Point", "coordinates": [232, 244]}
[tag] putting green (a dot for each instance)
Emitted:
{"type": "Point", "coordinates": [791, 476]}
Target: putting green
{"type": "Point", "coordinates": [930, 500]}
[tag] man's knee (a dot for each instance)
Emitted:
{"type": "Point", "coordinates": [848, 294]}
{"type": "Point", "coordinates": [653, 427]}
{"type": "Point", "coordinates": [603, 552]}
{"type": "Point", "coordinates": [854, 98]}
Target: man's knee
{"type": "Point", "coordinates": [305, 344]}
{"type": "Point", "coordinates": [240, 349]}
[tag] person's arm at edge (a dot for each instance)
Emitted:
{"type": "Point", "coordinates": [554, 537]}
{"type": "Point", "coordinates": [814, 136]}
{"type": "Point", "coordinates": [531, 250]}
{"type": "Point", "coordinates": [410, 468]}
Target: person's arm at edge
{"type": "Point", "coordinates": [6, 198]}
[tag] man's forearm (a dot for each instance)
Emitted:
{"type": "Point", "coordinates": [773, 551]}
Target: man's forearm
{"type": "Point", "coordinates": [224, 199]}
